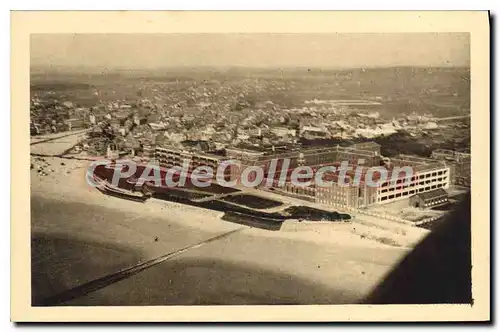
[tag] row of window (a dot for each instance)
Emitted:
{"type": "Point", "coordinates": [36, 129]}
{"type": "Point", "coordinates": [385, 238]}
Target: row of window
{"type": "Point", "coordinates": [334, 197]}
{"type": "Point", "coordinates": [411, 185]}
{"type": "Point", "coordinates": [409, 192]}
{"type": "Point", "coordinates": [177, 157]}
{"type": "Point", "coordinates": [339, 193]}
{"type": "Point", "coordinates": [440, 201]}
{"type": "Point", "coordinates": [298, 190]}
{"type": "Point", "coordinates": [420, 177]}
{"type": "Point", "coordinates": [328, 202]}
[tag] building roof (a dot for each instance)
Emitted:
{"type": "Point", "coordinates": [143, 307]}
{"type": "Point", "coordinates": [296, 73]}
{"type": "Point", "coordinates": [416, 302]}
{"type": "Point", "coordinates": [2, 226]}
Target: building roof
{"type": "Point", "coordinates": [432, 194]}
{"type": "Point", "coordinates": [369, 144]}
{"type": "Point", "coordinates": [243, 147]}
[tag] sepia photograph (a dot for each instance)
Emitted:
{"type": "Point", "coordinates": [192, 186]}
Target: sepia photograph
{"type": "Point", "coordinates": [239, 168]}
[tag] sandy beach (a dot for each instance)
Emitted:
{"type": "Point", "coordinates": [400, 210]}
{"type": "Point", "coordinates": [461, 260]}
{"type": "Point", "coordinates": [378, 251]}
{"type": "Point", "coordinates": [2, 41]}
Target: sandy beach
{"type": "Point", "coordinates": [65, 180]}
{"type": "Point", "coordinates": [79, 234]}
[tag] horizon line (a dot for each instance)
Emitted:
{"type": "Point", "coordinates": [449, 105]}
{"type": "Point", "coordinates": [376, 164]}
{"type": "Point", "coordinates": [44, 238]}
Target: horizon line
{"type": "Point", "coordinates": [194, 67]}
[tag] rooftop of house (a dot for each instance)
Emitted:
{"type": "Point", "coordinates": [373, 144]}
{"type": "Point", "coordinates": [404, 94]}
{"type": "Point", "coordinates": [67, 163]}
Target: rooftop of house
{"type": "Point", "coordinates": [367, 145]}
{"type": "Point", "coordinates": [437, 193]}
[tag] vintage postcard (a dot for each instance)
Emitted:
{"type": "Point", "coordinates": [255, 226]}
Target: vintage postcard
{"type": "Point", "coordinates": [250, 166]}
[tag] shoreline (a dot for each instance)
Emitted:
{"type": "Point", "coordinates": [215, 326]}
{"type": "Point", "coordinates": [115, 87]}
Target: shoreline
{"type": "Point", "coordinates": [67, 182]}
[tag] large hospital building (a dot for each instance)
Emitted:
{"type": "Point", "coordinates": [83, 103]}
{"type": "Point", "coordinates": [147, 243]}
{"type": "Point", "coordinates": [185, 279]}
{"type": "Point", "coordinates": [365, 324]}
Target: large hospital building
{"type": "Point", "coordinates": [428, 174]}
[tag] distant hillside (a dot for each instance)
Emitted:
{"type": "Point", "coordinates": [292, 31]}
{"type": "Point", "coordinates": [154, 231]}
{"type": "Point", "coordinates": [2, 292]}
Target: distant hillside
{"type": "Point", "coordinates": [401, 90]}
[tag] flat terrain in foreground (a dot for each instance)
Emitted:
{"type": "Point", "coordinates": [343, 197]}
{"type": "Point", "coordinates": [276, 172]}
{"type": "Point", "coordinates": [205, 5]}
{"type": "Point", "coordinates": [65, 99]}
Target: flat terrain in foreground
{"type": "Point", "coordinates": [73, 243]}
{"type": "Point", "coordinates": [79, 235]}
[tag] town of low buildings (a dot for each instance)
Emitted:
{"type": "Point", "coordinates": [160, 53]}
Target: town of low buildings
{"type": "Point", "coordinates": [207, 136]}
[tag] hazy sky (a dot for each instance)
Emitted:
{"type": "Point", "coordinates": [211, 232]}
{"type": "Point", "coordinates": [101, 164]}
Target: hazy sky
{"type": "Point", "coordinates": [253, 50]}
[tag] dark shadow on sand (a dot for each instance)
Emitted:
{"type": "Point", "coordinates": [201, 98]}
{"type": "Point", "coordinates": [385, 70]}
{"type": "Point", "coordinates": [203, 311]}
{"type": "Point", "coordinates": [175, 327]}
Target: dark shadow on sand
{"type": "Point", "coordinates": [59, 262]}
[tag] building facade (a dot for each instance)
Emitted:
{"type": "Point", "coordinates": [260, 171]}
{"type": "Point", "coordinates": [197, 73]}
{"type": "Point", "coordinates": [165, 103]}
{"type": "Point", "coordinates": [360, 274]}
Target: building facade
{"type": "Point", "coordinates": [459, 163]}
{"type": "Point", "coordinates": [425, 178]}
{"type": "Point", "coordinates": [427, 175]}
{"type": "Point", "coordinates": [169, 157]}
{"type": "Point", "coordinates": [430, 199]}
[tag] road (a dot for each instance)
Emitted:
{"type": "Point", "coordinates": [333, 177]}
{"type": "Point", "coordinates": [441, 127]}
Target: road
{"type": "Point", "coordinates": [56, 144]}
